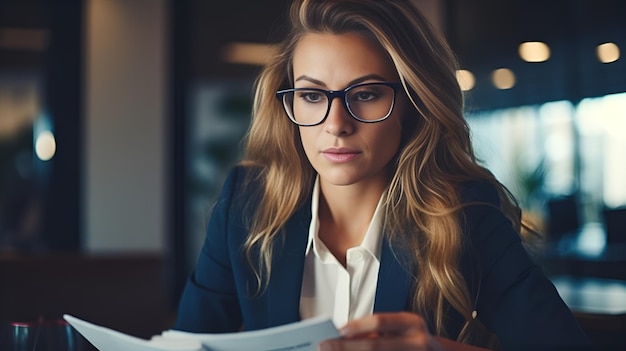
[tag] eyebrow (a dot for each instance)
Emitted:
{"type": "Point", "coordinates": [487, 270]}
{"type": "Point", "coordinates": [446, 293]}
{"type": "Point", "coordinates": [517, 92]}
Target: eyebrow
{"type": "Point", "coordinates": [353, 82]}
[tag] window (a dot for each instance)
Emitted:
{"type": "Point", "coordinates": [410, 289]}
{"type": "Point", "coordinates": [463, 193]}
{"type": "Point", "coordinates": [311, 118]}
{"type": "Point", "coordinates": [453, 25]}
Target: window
{"type": "Point", "coordinates": [557, 149]}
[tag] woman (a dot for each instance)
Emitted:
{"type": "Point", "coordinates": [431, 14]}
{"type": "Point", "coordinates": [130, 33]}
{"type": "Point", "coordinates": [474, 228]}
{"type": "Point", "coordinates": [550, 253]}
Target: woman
{"type": "Point", "coordinates": [360, 198]}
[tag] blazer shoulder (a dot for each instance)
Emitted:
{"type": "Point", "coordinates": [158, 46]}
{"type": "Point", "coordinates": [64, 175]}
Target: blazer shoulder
{"type": "Point", "coordinates": [480, 191]}
{"type": "Point", "coordinates": [243, 181]}
{"type": "Point", "coordinates": [244, 174]}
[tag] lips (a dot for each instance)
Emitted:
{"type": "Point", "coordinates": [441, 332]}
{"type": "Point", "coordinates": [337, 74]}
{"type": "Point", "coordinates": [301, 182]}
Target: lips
{"type": "Point", "coordinates": [340, 155]}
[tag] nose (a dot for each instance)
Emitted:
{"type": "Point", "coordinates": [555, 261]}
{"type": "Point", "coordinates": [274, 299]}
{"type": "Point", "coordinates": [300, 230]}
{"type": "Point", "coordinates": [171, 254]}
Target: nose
{"type": "Point", "coordinates": [339, 121]}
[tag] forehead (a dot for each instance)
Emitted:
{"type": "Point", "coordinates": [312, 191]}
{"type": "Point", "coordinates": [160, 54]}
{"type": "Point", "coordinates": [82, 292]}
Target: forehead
{"type": "Point", "coordinates": [336, 58]}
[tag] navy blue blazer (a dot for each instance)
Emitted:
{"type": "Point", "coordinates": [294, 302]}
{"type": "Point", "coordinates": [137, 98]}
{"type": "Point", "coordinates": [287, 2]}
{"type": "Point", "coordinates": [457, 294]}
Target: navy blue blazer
{"type": "Point", "coordinates": [514, 299]}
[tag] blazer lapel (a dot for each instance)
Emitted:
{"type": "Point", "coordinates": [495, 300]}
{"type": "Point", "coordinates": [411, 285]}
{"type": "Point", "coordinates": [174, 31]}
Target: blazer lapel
{"type": "Point", "coordinates": [283, 291]}
{"type": "Point", "coordinates": [394, 281]}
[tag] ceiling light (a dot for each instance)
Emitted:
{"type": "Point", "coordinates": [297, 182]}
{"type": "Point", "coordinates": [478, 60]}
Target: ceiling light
{"type": "Point", "coordinates": [503, 78]}
{"type": "Point", "coordinates": [27, 39]}
{"type": "Point", "coordinates": [466, 79]}
{"type": "Point", "coordinates": [534, 51]}
{"type": "Point", "coordinates": [45, 146]}
{"type": "Point", "coordinates": [607, 52]}
{"type": "Point", "coordinates": [248, 53]}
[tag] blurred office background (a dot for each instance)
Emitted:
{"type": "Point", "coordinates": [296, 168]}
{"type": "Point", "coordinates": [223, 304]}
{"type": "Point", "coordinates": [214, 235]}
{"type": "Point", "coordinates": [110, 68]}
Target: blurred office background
{"type": "Point", "coordinates": [120, 118]}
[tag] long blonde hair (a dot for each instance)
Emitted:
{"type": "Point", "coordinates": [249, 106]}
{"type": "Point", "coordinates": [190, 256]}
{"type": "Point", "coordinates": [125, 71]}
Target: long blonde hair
{"type": "Point", "coordinates": [423, 204]}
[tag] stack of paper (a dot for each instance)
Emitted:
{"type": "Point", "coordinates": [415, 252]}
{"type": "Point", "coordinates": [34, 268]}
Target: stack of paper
{"type": "Point", "coordinates": [300, 336]}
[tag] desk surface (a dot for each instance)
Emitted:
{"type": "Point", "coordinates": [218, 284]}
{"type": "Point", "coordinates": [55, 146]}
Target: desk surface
{"type": "Point", "coordinates": [592, 295]}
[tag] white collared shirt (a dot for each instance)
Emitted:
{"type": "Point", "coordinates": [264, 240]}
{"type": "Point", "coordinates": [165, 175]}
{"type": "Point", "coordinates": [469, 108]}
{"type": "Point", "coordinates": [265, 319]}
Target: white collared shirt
{"type": "Point", "coordinates": [330, 289]}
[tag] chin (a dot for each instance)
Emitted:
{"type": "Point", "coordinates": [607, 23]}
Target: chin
{"type": "Point", "coordinates": [340, 178]}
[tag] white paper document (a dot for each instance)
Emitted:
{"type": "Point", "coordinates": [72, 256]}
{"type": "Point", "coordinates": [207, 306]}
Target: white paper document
{"type": "Point", "coordinates": [299, 336]}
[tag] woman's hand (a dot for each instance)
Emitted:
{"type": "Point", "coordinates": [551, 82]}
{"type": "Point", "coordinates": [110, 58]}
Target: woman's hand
{"type": "Point", "coordinates": [400, 331]}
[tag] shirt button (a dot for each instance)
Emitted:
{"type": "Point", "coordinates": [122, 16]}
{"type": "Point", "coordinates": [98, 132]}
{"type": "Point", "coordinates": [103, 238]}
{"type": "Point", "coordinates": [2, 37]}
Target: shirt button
{"type": "Point", "coordinates": [358, 255]}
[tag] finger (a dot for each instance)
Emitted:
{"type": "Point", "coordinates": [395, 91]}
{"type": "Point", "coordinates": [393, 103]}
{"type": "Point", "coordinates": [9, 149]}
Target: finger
{"type": "Point", "coordinates": [350, 345]}
{"type": "Point", "coordinates": [380, 344]}
{"type": "Point", "coordinates": [401, 323]}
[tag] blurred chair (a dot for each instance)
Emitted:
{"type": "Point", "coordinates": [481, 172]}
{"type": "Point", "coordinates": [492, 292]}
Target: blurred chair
{"type": "Point", "coordinates": [563, 216]}
{"type": "Point", "coordinates": [615, 225]}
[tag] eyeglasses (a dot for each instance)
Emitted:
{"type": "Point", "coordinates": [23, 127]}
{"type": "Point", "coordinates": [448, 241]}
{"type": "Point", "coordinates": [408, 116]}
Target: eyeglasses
{"type": "Point", "coordinates": [366, 102]}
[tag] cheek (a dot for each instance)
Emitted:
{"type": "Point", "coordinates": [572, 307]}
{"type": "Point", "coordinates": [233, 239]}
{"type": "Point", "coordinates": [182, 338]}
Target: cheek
{"type": "Point", "coordinates": [307, 138]}
{"type": "Point", "coordinates": [385, 143]}
{"type": "Point", "coordinates": [391, 137]}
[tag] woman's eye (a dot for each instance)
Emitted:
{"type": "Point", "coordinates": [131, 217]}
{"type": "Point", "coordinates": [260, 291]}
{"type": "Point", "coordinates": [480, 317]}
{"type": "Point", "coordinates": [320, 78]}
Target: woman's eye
{"type": "Point", "coordinates": [311, 97]}
{"type": "Point", "coordinates": [365, 96]}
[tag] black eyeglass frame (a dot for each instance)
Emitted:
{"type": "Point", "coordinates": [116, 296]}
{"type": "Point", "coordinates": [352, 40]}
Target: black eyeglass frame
{"type": "Point", "coordinates": [333, 94]}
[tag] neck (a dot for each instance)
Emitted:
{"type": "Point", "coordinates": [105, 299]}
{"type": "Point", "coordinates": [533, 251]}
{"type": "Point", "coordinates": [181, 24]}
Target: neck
{"type": "Point", "coordinates": [349, 204]}
{"type": "Point", "coordinates": [345, 213]}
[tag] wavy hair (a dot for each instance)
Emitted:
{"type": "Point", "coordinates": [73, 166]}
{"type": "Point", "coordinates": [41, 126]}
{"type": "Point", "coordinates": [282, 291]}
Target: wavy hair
{"type": "Point", "coordinates": [423, 204]}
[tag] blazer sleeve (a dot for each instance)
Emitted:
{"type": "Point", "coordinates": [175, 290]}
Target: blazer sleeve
{"type": "Point", "coordinates": [209, 301]}
{"type": "Point", "coordinates": [515, 299]}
